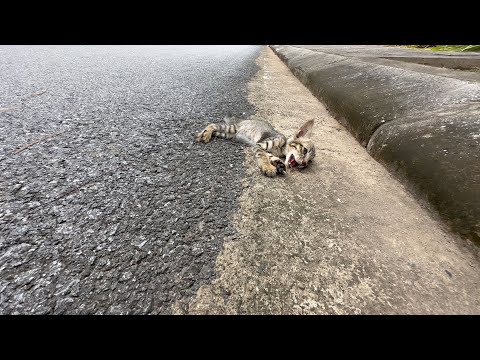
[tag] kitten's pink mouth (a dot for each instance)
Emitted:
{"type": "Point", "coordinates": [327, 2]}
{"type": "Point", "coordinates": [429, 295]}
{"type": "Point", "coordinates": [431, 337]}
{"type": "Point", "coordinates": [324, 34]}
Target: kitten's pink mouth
{"type": "Point", "coordinates": [291, 162]}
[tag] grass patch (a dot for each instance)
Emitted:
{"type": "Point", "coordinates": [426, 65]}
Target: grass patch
{"type": "Point", "coordinates": [462, 48]}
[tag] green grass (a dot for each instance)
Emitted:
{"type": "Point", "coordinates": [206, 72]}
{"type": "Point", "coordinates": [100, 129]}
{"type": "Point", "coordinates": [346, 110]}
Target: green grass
{"type": "Point", "coordinates": [447, 47]}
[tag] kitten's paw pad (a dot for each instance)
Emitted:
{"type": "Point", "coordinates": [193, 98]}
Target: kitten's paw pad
{"type": "Point", "coordinates": [204, 136]}
{"type": "Point", "coordinates": [269, 170]}
{"type": "Point", "coordinates": [279, 166]}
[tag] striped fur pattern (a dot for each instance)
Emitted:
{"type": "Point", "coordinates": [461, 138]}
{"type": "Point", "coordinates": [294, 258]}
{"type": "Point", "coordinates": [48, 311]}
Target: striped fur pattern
{"type": "Point", "coordinates": [274, 153]}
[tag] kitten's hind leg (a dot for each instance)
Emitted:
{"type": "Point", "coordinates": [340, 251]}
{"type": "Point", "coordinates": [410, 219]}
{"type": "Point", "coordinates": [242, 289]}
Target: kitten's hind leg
{"type": "Point", "coordinates": [220, 130]}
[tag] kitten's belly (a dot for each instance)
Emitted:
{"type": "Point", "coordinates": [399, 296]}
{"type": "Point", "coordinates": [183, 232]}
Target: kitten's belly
{"type": "Point", "coordinates": [252, 131]}
{"type": "Point", "coordinates": [247, 138]}
{"type": "Point", "coordinates": [252, 139]}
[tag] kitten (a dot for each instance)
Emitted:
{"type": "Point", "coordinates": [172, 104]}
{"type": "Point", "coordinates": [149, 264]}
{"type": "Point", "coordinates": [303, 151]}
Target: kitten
{"type": "Point", "coordinates": [269, 145]}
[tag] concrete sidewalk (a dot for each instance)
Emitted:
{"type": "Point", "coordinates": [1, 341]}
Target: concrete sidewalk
{"type": "Point", "coordinates": [422, 122]}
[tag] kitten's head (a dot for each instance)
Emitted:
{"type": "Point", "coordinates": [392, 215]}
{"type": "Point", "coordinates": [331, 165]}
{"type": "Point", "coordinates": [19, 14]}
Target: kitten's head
{"type": "Point", "coordinates": [300, 149]}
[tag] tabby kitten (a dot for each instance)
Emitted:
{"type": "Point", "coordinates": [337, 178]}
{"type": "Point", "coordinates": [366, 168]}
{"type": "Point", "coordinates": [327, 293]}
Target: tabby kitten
{"type": "Point", "coordinates": [269, 145]}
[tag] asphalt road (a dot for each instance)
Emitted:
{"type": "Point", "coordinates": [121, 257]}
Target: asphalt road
{"type": "Point", "coordinates": [107, 205]}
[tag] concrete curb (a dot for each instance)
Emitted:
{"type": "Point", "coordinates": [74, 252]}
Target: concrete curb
{"type": "Point", "coordinates": [423, 127]}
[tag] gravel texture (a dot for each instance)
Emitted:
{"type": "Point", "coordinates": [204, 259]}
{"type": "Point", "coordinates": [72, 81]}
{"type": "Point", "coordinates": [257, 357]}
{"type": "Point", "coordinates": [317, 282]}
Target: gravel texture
{"type": "Point", "coordinates": [107, 205]}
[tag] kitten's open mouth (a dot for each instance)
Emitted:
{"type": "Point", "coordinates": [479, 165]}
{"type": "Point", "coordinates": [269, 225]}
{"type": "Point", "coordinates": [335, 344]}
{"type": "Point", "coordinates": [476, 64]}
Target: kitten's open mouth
{"type": "Point", "coordinates": [291, 162]}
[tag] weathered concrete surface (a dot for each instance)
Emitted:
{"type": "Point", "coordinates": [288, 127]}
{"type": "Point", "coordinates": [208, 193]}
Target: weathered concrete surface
{"type": "Point", "coordinates": [439, 152]}
{"type": "Point", "coordinates": [448, 59]}
{"type": "Point", "coordinates": [341, 237]}
{"type": "Point", "coordinates": [421, 122]}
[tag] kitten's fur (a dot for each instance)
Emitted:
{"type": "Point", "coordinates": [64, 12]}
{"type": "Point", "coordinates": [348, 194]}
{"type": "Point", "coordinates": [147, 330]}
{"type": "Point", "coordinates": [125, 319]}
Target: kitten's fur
{"type": "Point", "coordinates": [269, 145]}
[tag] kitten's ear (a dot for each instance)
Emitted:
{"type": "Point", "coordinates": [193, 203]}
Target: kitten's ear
{"type": "Point", "coordinates": [305, 130]}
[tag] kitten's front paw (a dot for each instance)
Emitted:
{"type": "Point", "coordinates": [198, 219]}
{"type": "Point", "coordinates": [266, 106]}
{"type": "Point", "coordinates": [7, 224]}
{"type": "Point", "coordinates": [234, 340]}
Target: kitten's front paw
{"type": "Point", "coordinates": [269, 170]}
{"type": "Point", "coordinates": [279, 165]}
{"type": "Point", "coordinates": [204, 136]}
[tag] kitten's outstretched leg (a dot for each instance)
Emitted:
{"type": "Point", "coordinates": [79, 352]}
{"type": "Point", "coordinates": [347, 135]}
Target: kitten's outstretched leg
{"type": "Point", "coordinates": [220, 130]}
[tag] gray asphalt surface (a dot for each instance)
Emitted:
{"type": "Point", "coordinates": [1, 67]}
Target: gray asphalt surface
{"type": "Point", "coordinates": [107, 205]}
